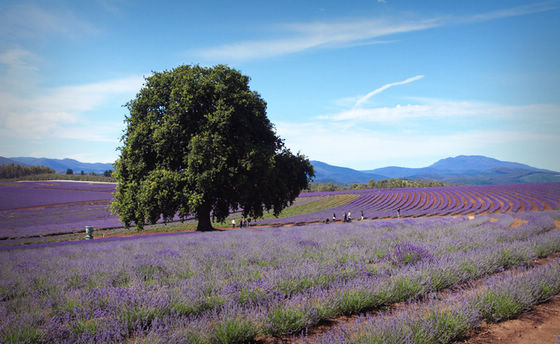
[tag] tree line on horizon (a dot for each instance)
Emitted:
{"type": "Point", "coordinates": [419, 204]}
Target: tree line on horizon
{"type": "Point", "coordinates": [23, 172]}
{"type": "Point", "coordinates": [12, 170]}
{"type": "Point", "coordinates": [372, 184]}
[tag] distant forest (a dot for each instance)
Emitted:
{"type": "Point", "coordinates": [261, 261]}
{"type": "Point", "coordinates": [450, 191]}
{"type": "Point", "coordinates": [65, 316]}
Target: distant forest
{"type": "Point", "coordinates": [22, 172]}
{"type": "Point", "coordinates": [17, 171]}
{"type": "Point", "coordinates": [380, 184]}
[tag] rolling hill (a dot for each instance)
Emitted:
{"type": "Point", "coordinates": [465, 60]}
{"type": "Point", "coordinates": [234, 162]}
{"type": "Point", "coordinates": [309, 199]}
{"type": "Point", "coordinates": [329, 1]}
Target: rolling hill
{"type": "Point", "coordinates": [463, 169]}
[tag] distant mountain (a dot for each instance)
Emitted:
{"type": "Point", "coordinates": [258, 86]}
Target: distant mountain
{"type": "Point", "coordinates": [477, 163]}
{"type": "Point", "coordinates": [495, 176]}
{"type": "Point", "coordinates": [325, 173]}
{"type": "Point", "coordinates": [462, 164]}
{"type": "Point", "coordinates": [61, 165]}
{"type": "Point", "coordinates": [463, 169]}
{"type": "Point", "coordinates": [6, 161]}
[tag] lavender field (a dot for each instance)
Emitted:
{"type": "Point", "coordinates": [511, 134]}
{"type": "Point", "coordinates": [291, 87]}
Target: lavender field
{"type": "Point", "coordinates": [256, 283]}
{"type": "Point", "coordinates": [440, 201]}
{"type": "Point", "coordinates": [35, 208]}
{"type": "Point", "coordinates": [44, 208]}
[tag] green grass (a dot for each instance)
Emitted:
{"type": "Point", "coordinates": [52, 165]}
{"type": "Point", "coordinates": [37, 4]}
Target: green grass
{"type": "Point", "coordinates": [299, 208]}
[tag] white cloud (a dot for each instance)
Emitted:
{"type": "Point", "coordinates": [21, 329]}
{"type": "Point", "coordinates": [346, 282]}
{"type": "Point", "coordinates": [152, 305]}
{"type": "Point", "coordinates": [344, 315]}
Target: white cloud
{"type": "Point", "coordinates": [88, 96]}
{"type": "Point", "coordinates": [60, 112]}
{"type": "Point", "coordinates": [365, 98]}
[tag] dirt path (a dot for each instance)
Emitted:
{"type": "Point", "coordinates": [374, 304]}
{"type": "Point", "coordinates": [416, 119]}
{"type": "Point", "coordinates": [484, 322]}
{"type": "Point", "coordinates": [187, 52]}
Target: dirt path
{"type": "Point", "coordinates": [541, 325]}
{"type": "Point", "coordinates": [518, 222]}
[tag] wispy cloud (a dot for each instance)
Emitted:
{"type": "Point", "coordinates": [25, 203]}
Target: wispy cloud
{"type": "Point", "coordinates": [29, 21]}
{"type": "Point", "coordinates": [305, 36]}
{"type": "Point", "coordinates": [19, 70]}
{"type": "Point", "coordinates": [384, 87]}
{"type": "Point", "coordinates": [515, 11]}
{"type": "Point", "coordinates": [16, 58]}
{"type": "Point", "coordinates": [299, 37]}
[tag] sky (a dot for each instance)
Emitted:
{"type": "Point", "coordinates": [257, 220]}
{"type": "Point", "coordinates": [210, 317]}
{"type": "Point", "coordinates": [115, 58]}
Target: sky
{"type": "Point", "coordinates": [360, 84]}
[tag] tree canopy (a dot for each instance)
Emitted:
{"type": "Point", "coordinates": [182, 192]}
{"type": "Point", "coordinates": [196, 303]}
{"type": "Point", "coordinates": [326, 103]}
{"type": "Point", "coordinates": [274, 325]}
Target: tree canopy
{"type": "Point", "coordinates": [198, 142]}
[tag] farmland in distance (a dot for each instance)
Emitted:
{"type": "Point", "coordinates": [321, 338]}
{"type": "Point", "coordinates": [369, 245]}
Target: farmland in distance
{"type": "Point", "coordinates": [34, 209]}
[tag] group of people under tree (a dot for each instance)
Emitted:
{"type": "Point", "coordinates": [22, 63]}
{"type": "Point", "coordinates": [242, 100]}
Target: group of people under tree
{"type": "Point", "coordinates": [348, 218]}
{"type": "Point", "coordinates": [242, 223]}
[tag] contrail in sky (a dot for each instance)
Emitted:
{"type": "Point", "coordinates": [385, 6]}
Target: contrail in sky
{"type": "Point", "coordinates": [384, 87]}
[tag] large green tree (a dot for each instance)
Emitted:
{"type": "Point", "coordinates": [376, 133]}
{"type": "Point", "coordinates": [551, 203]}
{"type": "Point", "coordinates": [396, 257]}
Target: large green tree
{"type": "Point", "coordinates": [198, 142]}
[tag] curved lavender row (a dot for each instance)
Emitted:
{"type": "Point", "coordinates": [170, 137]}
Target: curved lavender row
{"type": "Point", "coordinates": [412, 200]}
{"type": "Point", "coordinates": [465, 205]}
{"type": "Point", "coordinates": [450, 203]}
{"type": "Point", "coordinates": [518, 203]}
{"type": "Point", "coordinates": [504, 201]}
{"type": "Point", "coordinates": [525, 203]}
{"type": "Point", "coordinates": [494, 204]}
{"type": "Point", "coordinates": [191, 283]}
{"type": "Point", "coordinates": [438, 201]}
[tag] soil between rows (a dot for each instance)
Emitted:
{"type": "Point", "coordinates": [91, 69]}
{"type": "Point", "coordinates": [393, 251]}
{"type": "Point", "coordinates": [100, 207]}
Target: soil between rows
{"type": "Point", "coordinates": [541, 325]}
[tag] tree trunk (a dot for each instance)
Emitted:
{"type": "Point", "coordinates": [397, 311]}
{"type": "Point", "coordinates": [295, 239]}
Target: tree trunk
{"type": "Point", "coordinates": [203, 215]}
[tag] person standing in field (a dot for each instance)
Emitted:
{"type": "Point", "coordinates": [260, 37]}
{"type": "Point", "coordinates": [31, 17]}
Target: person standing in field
{"type": "Point", "coordinates": [362, 217]}
{"type": "Point", "coordinates": [333, 217]}
{"type": "Point", "coordinates": [233, 223]}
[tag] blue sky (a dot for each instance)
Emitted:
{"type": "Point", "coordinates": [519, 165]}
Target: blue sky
{"type": "Point", "coordinates": [364, 84]}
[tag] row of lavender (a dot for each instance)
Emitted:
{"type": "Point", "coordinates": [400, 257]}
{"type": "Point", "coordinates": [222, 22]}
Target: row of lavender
{"type": "Point", "coordinates": [453, 200]}
{"type": "Point", "coordinates": [235, 286]}
{"type": "Point", "coordinates": [447, 318]}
